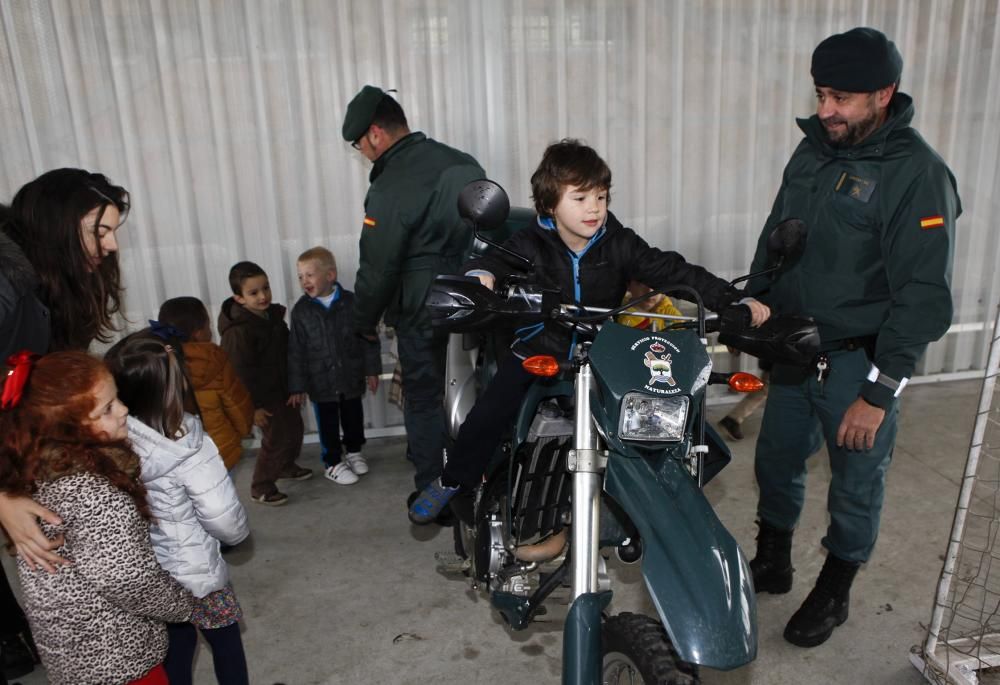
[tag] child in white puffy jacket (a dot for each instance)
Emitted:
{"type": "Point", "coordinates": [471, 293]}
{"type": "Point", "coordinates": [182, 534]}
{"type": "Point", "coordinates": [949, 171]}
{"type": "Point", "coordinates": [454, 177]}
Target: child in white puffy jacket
{"type": "Point", "coordinates": [193, 501]}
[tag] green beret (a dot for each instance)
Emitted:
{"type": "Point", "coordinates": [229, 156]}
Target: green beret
{"type": "Point", "coordinates": [861, 60]}
{"type": "Point", "coordinates": [360, 112]}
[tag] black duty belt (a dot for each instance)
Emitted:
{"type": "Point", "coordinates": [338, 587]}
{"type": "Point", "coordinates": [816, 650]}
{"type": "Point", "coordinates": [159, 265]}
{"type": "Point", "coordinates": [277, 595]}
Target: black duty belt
{"type": "Point", "coordinates": [849, 344]}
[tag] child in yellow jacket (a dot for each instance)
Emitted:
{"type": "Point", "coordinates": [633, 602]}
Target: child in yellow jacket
{"type": "Point", "coordinates": [658, 304]}
{"type": "Point", "coordinates": [226, 407]}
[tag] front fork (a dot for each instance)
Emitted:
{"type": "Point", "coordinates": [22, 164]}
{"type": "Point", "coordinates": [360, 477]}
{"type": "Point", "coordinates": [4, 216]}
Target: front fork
{"type": "Point", "coordinates": [586, 461]}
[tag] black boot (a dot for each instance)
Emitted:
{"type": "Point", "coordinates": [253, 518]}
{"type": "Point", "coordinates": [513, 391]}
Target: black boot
{"type": "Point", "coordinates": [772, 567]}
{"type": "Point", "coordinates": [826, 606]}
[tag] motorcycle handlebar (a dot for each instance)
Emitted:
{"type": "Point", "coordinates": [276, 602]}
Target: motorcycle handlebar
{"type": "Point", "coordinates": [733, 319]}
{"type": "Point", "coordinates": [463, 304]}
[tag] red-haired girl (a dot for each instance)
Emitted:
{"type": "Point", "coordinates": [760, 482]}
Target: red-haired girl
{"type": "Point", "coordinates": [63, 442]}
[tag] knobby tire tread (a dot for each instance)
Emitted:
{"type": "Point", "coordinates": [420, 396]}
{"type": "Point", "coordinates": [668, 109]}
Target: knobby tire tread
{"type": "Point", "coordinates": [646, 643]}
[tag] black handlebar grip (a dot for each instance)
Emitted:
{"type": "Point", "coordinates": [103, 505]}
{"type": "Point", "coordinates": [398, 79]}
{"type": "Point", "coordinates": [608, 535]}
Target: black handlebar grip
{"type": "Point", "coordinates": [735, 318]}
{"type": "Point", "coordinates": [732, 319]}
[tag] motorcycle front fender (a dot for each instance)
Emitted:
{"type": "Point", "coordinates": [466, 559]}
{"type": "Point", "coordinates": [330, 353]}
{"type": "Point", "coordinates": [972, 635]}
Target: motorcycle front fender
{"type": "Point", "coordinates": [582, 651]}
{"type": "Point", "coordinates": [695, 572]}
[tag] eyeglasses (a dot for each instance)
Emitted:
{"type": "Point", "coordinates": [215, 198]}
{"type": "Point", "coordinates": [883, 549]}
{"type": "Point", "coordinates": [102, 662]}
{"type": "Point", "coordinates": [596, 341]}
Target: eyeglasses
{"type": "Point", "coordinates": [357, 142]}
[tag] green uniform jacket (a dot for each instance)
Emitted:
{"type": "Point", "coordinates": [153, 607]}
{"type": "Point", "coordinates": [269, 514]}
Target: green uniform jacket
{"type": "Point", "coordinates": [411, 232]}
{"type": "Point", "coordinates": [881, 222]}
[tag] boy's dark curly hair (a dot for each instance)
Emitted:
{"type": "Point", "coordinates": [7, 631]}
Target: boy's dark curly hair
{"type": "Point", "coordinates": [567, 163]}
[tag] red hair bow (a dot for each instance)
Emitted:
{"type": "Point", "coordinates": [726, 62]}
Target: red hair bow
{"type": "Point", "coordinates": [20, 365]}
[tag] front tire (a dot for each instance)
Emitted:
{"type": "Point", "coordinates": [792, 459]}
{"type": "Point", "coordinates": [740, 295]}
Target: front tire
{"type": "Point", "coordinates": [636, 650]}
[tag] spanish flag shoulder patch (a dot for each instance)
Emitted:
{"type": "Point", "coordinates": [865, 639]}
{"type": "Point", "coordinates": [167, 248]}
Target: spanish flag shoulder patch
{"type": "Point", "coordinates": [370, 222]}
{"type": "Point", "coordinates": [935, 221]}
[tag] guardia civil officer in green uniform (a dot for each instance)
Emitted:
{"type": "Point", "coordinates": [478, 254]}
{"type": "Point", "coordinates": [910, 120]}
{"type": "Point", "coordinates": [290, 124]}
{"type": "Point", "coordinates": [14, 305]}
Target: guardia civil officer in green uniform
{"type": "Point", "coordinates": [880, 206]}
{"type": "Point", "coordinates": [411, 232]}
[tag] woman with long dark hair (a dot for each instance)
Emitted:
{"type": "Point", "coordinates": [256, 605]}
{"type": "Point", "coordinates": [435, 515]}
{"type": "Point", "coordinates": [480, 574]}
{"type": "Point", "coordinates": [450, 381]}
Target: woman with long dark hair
{"type": "Point", "coordinates": [60, 288]}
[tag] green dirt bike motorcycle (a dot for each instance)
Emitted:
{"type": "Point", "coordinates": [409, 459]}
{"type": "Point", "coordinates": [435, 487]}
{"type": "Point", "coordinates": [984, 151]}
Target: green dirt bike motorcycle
{"type": "Point", "coordinates": [609, 453]}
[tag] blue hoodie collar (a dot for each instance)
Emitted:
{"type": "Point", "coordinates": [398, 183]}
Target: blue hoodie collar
{"type": "Point", "coordinates": [549, 224]}
{"type": "Point", "coordinates": [336, 296]}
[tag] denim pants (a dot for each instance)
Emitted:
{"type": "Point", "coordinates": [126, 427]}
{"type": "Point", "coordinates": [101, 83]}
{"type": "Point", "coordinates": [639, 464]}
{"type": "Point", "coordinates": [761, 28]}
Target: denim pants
{"type": "Point", "coordinates": [331, 417]}
{"type": "Point", "coordinates": [798, 419]}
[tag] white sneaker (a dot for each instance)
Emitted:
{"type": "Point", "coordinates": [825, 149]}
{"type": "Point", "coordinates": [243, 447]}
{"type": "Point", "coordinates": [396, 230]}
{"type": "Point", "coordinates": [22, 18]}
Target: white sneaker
{"type": "Point", "coordinates": [341, 474]}
{"type": "Point", "coordinates": [357, 463]}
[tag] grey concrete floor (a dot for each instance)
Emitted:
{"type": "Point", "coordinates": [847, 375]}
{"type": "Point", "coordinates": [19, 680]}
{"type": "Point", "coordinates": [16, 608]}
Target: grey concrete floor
{"type": "Point", "coordinates": [338, 587]}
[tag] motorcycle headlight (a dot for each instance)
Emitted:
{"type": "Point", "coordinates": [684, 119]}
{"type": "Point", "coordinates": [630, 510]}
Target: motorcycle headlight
{"type": "Point", "coordinates": [655, 419]}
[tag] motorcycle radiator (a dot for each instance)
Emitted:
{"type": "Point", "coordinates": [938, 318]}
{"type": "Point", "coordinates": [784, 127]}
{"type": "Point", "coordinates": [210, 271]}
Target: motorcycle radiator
{"type": "Point", "coordinates": [541, 489]}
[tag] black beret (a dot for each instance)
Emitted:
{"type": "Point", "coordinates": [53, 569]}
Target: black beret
{"type": "Point", "coordinates": [861, 60]}
{"type": "Point", "coordinates": [360, 112]}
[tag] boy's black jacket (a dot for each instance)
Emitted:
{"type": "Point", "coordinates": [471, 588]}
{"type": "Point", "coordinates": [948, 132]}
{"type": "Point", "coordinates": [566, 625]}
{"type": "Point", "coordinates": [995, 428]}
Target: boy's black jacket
{"type": "Point", "coordinates": [616, 257]}
{"type": "Point", "coordinates": [326, 356]}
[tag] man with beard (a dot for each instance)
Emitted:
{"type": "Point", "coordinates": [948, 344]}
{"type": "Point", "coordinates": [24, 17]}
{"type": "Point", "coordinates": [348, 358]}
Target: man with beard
{"type": "Point", "coordinates": [880, 206]}
{"type": "Point", "coordinates": [411, 232]}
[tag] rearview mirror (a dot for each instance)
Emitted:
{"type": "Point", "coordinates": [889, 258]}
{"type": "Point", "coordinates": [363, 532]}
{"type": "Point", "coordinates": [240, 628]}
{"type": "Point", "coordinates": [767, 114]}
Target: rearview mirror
{"type": "Point", "coordinates": [787, 242]}
{"type": "Point", "coordinates": [484, 204]}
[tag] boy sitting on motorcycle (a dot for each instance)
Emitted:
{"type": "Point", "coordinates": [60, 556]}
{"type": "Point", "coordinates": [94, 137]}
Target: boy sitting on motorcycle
{"type": "Point", "coordinates": [579, 248]}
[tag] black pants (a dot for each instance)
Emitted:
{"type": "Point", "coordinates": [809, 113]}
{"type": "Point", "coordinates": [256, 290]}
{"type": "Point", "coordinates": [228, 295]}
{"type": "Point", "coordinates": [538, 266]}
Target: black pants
{"type": "Point", "coordinates": [227, 654]}
{"type": "Point", "coordinates": [423, 365]}
{"type": "Point", "coordinates": [12, 619]}
{"type": "Point", "coordinates": [483, 428]}
{"type": "Point", "coordinates": [348, 415]}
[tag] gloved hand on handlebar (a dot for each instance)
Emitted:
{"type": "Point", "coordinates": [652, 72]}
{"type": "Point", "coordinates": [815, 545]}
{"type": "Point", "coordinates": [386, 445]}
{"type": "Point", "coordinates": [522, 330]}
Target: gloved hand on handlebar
{"type": "Point", "coordinates": [759, 312]}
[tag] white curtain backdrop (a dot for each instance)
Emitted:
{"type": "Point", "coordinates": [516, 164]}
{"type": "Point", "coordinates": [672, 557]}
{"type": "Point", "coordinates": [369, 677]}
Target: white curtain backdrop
{"type": "Point", "coordinates": [223, 117]}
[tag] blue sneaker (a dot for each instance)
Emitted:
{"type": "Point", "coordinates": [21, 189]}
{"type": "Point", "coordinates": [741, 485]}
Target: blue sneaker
{"type": "Point", "coordinates": [430, 502]}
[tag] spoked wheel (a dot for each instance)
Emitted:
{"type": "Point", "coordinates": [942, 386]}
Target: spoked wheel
{"type": "Point", "coordinates": [637, 651]}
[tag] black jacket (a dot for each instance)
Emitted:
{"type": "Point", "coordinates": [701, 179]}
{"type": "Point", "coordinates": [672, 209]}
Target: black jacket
{"type": "Point", "coordinates": [598, 276]}
{"type": "Point", "coordinates": [258, 350]}
{"type": "Point", "coordinates": [326, 356]}
{"type": "Point", "coordinates": [24, 320]}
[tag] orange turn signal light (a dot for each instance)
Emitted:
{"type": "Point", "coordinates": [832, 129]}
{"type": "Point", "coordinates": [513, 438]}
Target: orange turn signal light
{"type": "Point", "coordinates": [541, 365]}
{"type": "Point", "coordinates": [742, 381]}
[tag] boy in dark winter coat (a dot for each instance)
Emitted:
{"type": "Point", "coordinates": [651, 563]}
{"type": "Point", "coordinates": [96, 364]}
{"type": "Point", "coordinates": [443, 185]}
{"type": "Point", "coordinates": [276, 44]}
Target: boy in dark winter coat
{"type": "Point", "coordinates": [329, 363]}
{"type": "Point", "coordinates": [255, 337]}
{"type": "Point", "coordinates": [581, 249]}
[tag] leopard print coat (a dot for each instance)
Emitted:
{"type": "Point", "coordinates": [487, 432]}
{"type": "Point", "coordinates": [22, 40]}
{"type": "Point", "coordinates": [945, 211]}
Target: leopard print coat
{"type": "Point", "coordinates": [100, 619]}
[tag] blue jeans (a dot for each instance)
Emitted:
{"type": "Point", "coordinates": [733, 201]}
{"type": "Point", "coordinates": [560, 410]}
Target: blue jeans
{"type": "Point", "coordinates": [798, 419]}
{"type": "Point", "coordinates": [422, 361]}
